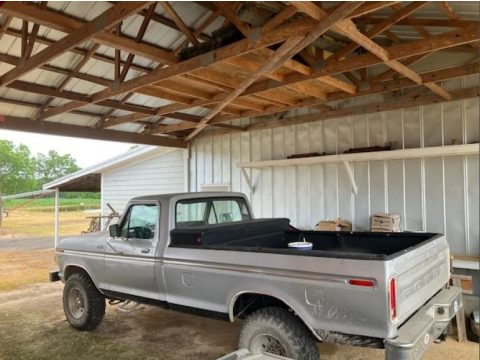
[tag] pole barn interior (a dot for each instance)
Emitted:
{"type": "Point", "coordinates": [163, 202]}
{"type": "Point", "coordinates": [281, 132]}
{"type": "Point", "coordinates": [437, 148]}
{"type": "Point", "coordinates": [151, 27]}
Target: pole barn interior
{"type": "Point", "coordinates": [244, 85]}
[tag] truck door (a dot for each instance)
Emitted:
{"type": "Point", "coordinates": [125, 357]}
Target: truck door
{"type": "Point", "coordinates": [130, 258]}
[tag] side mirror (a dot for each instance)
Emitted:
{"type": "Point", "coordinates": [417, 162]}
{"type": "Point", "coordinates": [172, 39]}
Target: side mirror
{"type": "Point", "coordinates": [114, 230]}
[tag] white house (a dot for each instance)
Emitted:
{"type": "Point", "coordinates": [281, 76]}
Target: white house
{"type": "Point", "coordinates": [142, 171]}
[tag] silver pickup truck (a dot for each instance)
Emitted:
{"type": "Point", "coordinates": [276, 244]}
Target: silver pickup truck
{"type": "Point", "coordinates": [204, 253]}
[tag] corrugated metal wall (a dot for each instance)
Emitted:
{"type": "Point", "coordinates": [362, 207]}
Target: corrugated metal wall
{"type": "Point", "coordinates": [435, 194]}
{"type": "Point", "coordinates": [159, 175]}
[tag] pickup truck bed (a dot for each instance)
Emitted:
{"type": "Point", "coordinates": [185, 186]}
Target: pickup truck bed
{"type": "Point", "coordinates": [273, 236]}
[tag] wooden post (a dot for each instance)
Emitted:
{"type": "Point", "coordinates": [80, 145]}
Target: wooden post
{"type": "Point", "coordinates": [56, 221]}
{"type": "Point", "coordinates": [460, 316]}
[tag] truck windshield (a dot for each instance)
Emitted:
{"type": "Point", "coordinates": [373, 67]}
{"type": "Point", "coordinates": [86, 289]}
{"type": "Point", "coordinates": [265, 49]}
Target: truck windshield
{"type": "Point", "coordinates": [207, 211]}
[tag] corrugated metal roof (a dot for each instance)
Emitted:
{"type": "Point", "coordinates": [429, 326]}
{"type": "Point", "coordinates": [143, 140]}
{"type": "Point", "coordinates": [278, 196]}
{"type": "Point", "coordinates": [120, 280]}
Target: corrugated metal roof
{"type": "Point", "coordinates": [160, 35]}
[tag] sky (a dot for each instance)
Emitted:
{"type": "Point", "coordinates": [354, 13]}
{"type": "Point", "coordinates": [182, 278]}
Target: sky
{"type": "Point", "coordinates": [86, 152]}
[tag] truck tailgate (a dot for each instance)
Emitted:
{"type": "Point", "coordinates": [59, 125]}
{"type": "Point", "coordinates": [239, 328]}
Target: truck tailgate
{"type": "Point", "coordinates": [419, 273]}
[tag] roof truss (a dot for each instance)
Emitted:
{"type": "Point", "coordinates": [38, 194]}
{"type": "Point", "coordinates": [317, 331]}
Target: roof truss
{"type": "Point", "coordinates": [286, 59]}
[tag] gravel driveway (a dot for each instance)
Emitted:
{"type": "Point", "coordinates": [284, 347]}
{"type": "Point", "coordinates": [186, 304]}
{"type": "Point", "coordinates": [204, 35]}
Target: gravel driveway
{"type": "Point", "coordinates": [26, 243]}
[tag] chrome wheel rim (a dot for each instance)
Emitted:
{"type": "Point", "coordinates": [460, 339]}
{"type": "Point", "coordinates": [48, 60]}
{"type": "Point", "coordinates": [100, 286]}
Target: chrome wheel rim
{"type": "Point", "coordinates": [76, 303]}
{"type": "Point", "coordinates": [266, 343]}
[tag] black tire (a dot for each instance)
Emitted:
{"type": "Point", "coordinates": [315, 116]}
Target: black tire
{"type": "Point", "coordinates": [83, 304]}
{"type": "Point", "coordinates": [278, 331]}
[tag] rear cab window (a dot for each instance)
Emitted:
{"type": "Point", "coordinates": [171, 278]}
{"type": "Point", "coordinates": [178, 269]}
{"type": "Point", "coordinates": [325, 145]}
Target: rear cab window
{"type": "Point", "coordinates": [209, 211]}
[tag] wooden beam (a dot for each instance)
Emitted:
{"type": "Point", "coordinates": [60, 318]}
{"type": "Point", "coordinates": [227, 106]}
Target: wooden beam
{"type": "Point", "coordinates": [198, 62]}
{"type": "Point", "coordinates": [67, 79]}
{"type": "Point", "coordinates": [229, 14]}
{"type": "Point", "coordinates": [371, 6]}
{"type": "Point", "coordinates": [398, 103]}
{"type": "Point", "coordinates": [424, 22]}
{"type": "Point", "coordinates": [348, 28]}
{"type": "Point", "coordinates": [53, 128]}
{"type": "Point", "coordinates": [6, 22]}
{"type": "Point", "coordinates": [384, 25]}
{"type": "Point", "coordinates": [451, 39]}
{"type": "Point", "coordinates": [126, 68]}
{"type": "Point", "coordinates": [210, 19]}
{"type": "Point", "coordinates": [393, 85]}
{"type": "Point", "coordinates": [289, 48]}
{"type": "Point", "coordinates": [57, 21]}
{"type": "Point", "coordinates": [448, 10]}
{"type": "Point", "coordinates": [107, 19]}
{"type": "Point", "coordinates": [279, 18]}
{"type": "Point", "coordinates": [179, 22]}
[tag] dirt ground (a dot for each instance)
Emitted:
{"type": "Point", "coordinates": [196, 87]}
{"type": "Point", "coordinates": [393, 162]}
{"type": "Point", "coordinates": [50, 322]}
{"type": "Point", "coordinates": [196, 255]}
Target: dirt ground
{"type": "Point", "coordinates": [32, 326]}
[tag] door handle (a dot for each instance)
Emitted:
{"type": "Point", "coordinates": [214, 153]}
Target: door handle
{"type": "Point", "coordinates": [145, 251]}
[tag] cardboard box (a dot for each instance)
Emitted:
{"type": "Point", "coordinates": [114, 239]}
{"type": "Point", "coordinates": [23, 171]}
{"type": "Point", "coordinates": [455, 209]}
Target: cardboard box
{"type": "Point", "coordinates": [333, 225]}
{"type": "Point", "coordinates": [385, 223]}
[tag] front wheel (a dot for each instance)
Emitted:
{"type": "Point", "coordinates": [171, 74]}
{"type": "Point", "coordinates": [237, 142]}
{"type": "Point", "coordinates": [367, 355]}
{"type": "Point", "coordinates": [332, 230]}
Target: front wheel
{"type": "Point", "coordinates": [278, 331]}
{"type": "Point", "coordinates": [83, 304]}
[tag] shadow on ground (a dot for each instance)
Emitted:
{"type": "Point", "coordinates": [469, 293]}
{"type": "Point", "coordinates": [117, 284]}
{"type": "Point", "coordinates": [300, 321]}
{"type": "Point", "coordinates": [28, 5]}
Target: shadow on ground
{"type": "Point", "coordinates": [32, 326]}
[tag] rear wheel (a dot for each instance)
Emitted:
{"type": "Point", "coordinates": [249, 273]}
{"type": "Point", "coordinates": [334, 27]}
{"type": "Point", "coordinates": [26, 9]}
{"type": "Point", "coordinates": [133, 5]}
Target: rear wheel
{"type": "Point", "coordinates": [83, 304]}
{"type": "Point", "coordinates": [278, 331]}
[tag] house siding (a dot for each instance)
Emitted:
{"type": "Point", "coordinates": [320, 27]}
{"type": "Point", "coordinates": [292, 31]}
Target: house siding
{"type": "Point", "coordinates": [162, 174]}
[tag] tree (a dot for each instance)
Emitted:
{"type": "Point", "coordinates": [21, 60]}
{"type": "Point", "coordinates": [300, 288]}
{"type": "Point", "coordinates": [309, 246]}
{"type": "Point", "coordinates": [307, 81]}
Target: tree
{"type": "Point", "coordinates": [53, 166]}
{"type": "Point", "coordinates": [17, 168]}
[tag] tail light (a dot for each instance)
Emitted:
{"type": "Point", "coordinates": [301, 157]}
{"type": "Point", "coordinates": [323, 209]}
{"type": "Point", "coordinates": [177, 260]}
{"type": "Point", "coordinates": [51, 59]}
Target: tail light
{"type": "Point", "coordinates": [361, 282]}
{"type": "Point", "coordinates": [393, 298]}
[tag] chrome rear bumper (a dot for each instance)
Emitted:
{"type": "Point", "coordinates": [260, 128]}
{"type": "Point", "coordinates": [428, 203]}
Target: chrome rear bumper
{"type": "Point", "coordinates": [425, 326]}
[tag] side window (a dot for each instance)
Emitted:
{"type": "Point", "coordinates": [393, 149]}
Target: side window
{"type": "Point", "coordinates": [140, 222]}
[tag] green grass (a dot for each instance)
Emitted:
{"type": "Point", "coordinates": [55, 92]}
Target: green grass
{"type": "Point", "coordinates": [48, 204]}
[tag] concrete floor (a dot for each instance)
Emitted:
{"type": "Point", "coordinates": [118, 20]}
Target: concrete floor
{"type": "Point", "coordinates": [32, 326]}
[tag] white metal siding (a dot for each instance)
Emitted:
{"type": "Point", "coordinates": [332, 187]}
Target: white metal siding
{"type": "Point", "coordinates": [434, 194]}
{"type": "Point", "coordinates": [159, 175]}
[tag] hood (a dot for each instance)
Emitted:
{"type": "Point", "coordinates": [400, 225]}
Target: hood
{"type": "Point", "coordinates": [92, 242]}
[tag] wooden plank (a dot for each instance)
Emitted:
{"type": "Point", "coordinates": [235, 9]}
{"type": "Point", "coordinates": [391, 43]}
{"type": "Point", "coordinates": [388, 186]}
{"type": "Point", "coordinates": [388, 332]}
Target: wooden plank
{"type": "Point", "coordinates": [384, 25]}
{"type": "Point", "coordinates": [448, 10]}
{"type": "Point", "coordinates": [7, 19]}
{"type": "Point", "coordinates": [52, 128]}
{"type": "Point", "coordinates": [414, 153]}
{"type": "Point", "coordinates": [235, 49]}
{"type": "Point", "coordinates": [392, 85]}
{"type": "Point", "coordinates": [279, 18]}
{"type": "Point", "coordinates": [349, 29]}
{"type": "Point", "coordinates": [67, 24]}
{"type": "Point", "coordinates": [370, 7]}
{"type": "Point", "coordinates": [396, 52]}
{"type": "Point", "coordinates": [398, 103]}
{"type": "Point", "coordinates": [179, 22]}
{"type": "Point", "coordinates": [229, 14]}
{"type": "Point", "coordinates": [370, 20]}
{"type": "Point", "coordinates": [290, 47]}
{"type": "Point", "coordinates": [107, 19]}
{"type": "Point", "coordinates": [460, 316]}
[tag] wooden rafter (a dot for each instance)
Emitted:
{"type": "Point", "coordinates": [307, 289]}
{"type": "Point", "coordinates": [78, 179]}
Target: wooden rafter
{"type": "Point", "coordinates": [448, 10]}
{"type": "Point", "coordinates": [348, 28]}
{"type": "Point", "coordinates": [53, 128]}
{"type": "Point", "coordinates": [382, 26]}
{"type": "Point", "coordinates": [228, 12]}
{"type": "Point", "coordinates": [179, 22]}
{"type": "Point", "coordinates": [290, 47]}
{"type": "Point", "coordinates": [397, 103]}
{"type": "Point", "coordinates": [391, 85]}
{"type": "Point", "coordinates": [70, 25]}
{"type": "Point", "coordinates": [109, 18]}
{"type": "Point", "coordinates": [67, 79]}
{"type": "Point", "coordinates": [128, 63]}
{"type": "Point", "coordinates": [208, 21]}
